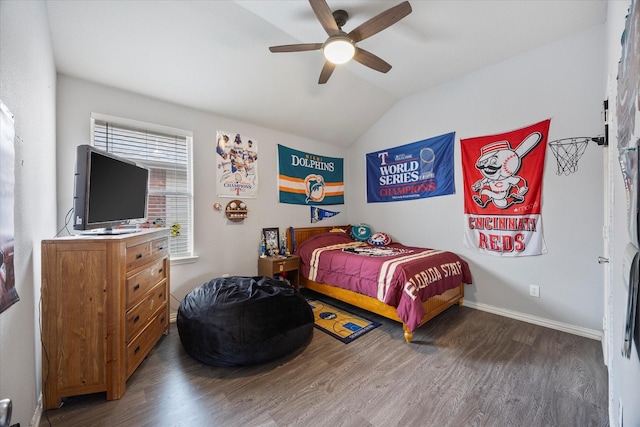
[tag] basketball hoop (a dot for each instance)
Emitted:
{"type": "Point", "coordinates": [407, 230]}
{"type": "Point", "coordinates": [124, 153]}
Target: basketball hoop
{"type": "Point", "coordinates": [567, 152]}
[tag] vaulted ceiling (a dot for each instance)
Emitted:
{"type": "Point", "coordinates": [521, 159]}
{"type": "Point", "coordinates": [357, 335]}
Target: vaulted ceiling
{"type": "Point", "coordinates": [214, 56]}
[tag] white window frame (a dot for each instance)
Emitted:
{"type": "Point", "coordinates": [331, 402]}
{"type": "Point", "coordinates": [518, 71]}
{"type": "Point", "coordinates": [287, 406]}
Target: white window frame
{"type": "Point", "coordinates": [188, 255]}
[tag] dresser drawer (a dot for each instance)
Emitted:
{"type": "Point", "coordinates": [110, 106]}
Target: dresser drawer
{"type": "Point", "coordinates": [160, 247]}
{"type": "Point", "coordinates": [285, 264]}
{"type": "Point", "coordinates": [138, 349]}
{"type": "Point", "coordinates": [140, 283]}
{"type": "Point", "coordinates": [139, 315]}
{"type": "Point", "coordinates": [139, 255]}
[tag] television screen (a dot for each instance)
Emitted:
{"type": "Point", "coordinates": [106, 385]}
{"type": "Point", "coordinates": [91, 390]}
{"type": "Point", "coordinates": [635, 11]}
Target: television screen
{"type": "Point", "coordinates": [109, 190]}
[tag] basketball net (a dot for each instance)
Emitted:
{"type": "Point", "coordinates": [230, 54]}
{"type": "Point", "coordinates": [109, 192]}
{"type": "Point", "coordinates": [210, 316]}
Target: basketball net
{"type": "Point", "coordinates": [567, 152]}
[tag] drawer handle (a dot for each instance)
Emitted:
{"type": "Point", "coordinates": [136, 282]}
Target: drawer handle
{"type": "Point", "coordinates": [137, 350]}
{"type": "Point", "coordinates": [138, 256]}
{"type": "Point", "coordinates": [160, 248]}
{"type": "Point", "coordinates": [160, 294]}
{"type": "Point", "coordinates": [162, 320]}
{"type": "Point", "coordinates": [135, 319]}
{"type": "Point", "coordinates": [160, 270]}
{"type": "Point", "coordinates": [136, 287]}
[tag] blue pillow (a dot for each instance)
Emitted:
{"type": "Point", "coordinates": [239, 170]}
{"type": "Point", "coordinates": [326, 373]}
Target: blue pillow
{"type": "Point", "coordinates": [360, 232]}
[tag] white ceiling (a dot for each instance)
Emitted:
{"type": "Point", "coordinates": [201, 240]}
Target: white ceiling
{"type": "Point", "coordinates": [213, 55]}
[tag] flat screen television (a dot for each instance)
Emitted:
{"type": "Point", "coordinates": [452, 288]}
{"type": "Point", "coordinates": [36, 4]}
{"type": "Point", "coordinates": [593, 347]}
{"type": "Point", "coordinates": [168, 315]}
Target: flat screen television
{"type": "Point", "coordinates": [109, 191]}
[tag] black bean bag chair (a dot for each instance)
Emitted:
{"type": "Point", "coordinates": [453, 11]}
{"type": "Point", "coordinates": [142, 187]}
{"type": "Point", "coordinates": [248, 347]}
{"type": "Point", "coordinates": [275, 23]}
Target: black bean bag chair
{"type": "Point", "coordinates": [236, 321]}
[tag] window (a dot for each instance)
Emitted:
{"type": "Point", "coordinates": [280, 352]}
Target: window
{"type": "Point", "coordinates": [167, 153]}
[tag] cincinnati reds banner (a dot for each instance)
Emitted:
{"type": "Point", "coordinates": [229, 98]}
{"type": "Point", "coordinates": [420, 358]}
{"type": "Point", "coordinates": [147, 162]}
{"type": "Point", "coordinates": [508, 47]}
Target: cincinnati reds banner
{"type": "Point", "coordinates": [306, 179]}
{"type": "Point", "coordinates": [502, 177]}
{"type": "Point", "coordinates": [413, 171]}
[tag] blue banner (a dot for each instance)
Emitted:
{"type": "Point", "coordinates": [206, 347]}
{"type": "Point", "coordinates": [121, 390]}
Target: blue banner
{"type": "Point", "coordinates": [318, 214]}
{"type": "Point", "coordinates": [305, 179]}
{"type": "Point", "coordinates": [413, 171]}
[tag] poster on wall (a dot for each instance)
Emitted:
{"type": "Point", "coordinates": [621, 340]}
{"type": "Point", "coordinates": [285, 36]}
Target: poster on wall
{"type": "Point", "coordinates": [412, 171]}
{"type": "Point", "coordinates": [236, 165]}
{"type": "Point", "coordinates": [502, 177]}
{"type": "Point", "coordinates": [628, 98]}
{"type": "Point", "coordinates": [628, 117]}
{"type": "Point", "coordinates": [8, 293]}
{"type": "Point", "coordinates": [309, 179]}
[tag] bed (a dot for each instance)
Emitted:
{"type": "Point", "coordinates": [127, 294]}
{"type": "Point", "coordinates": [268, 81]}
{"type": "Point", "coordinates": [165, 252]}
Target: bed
{"type": "Point", "coordinates": [407, 284]}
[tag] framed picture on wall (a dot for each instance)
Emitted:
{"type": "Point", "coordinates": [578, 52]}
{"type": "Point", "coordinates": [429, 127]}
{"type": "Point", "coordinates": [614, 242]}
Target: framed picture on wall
{"type": "Point", "coordinates": [271, 238]}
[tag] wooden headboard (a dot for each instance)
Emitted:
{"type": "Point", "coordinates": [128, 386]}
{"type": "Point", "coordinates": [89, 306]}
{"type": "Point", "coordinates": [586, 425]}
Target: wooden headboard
{"type": "Point", "coordinates": [301, 234]}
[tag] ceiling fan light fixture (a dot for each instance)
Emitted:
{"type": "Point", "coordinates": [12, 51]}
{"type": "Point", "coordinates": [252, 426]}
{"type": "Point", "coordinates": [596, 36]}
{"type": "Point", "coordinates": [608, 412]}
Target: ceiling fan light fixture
{"type": "Point", "coordinates": [339, 49]}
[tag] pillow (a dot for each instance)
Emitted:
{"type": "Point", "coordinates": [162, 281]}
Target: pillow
{"type": "Point", "coordinates": [306, 248]}
{"type": "Point", "coordinates": [379, 239]}
{"type": "Point", "coordinates": [337, 230]}
{"type": "Point", "coordinates": [360, 232]}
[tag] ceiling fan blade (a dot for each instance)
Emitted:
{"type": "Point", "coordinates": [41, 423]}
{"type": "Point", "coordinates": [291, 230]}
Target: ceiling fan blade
{"type": "Point", "coordinates": [326, 72]}
{"type": "Point", "coordinates": [370, 60]}
{"type": "Point", "coordinates": [380, 22]}
{"type": "Point", "coordinates": [325, 16]}
{"type": "Point", "coordinates": [296, 47]}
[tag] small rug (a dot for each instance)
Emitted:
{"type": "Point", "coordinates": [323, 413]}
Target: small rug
{"type": "Point", "coordinates": [339, 323]}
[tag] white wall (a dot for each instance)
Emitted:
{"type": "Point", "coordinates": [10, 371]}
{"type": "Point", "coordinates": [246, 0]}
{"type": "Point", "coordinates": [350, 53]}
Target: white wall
{"type": "Point", "coordinates": [624, 374]}
{"type": "Point", "coordinates": [562, 81]}
{"type": "Point", "coordinates": [222, 246]}
{"type": "Point", "coordinates": [27, 87]}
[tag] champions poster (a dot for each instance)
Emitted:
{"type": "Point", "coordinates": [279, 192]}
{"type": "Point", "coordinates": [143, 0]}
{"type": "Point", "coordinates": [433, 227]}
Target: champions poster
{"type": "Point", "coordinates": [236, 165]}
{"type": "Point", "coordinates": [502, 191]}
{"type": "Point", "coordinates": [413, 171]}
{"type": "Point", "coordinates": [309, 179]}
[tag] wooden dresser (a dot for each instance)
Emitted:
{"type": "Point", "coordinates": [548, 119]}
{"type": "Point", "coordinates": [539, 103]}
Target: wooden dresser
{"type": "Point", "coordinates": [105, 304]}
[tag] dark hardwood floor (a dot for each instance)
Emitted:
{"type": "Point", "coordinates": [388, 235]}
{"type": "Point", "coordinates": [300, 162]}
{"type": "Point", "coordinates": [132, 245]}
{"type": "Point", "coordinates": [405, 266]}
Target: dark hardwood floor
{"type": "Point", "coordinates": [464, 368]}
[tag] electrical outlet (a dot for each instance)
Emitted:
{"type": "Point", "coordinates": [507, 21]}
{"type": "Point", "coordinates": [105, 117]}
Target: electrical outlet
{"type": "Point", "coordinates": [534, 291]}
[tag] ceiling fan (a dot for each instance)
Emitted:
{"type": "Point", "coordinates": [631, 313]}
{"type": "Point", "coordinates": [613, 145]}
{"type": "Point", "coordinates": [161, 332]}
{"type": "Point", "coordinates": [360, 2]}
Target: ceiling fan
{"type": "Point", "coordinates": [340, 47]}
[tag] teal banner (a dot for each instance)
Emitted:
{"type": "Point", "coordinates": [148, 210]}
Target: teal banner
{"type": "Point", "coordinates": [309, 179]}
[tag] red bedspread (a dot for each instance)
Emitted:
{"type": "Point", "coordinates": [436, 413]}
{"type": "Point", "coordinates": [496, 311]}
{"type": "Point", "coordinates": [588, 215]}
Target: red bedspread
{"type": "Point", "coordinates": [398, 275]}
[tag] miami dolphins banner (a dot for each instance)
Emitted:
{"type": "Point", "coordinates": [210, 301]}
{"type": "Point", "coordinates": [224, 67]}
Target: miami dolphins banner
{"type": "Point", "coordinates": [502, 177]}
{"type": "Point", "coordinates": [413, 171]}
{"type": "Point", "coordinates": [305, 179]}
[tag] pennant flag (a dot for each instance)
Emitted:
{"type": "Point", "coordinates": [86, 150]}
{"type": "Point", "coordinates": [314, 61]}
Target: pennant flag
{"type": "Point", "coordinates": [318, 214]}
{"type": "Point", "coordinates": [306, 178]}
{"type": "Point", "coordinates": [502, 177]}
{"type": "Point", "coordinates": [413, 171]}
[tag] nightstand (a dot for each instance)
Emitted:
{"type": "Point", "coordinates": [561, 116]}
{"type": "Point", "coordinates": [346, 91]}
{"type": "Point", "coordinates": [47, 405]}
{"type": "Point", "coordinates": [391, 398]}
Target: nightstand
{"type": "Point", "coordinates": [274, 265]}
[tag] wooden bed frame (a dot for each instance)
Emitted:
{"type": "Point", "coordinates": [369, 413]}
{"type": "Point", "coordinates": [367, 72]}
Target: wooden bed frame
{"type": "Point", "coordinates": [432, 307]}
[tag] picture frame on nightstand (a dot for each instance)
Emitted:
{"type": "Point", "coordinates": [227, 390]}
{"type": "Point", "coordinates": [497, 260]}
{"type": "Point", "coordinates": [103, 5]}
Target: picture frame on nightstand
{"type": "Point", "coordinates": [271, 237]}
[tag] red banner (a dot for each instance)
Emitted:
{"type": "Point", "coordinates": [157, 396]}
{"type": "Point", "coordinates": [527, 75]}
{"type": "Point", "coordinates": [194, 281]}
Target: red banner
{"type": "Point", "coordinates": [503, 191]}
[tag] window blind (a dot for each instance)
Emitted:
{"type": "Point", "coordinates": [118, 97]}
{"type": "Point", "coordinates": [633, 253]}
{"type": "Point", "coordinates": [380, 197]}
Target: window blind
{"type": "Point", "coordinates": [168, 157]}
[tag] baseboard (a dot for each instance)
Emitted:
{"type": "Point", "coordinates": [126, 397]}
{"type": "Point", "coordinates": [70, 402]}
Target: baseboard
{"type": "Point", "coordinates": [37, 415]}
{"type": "Point", "coordinates": [173, 317]}
{"type": "Point", "coordinates": [559, 326]}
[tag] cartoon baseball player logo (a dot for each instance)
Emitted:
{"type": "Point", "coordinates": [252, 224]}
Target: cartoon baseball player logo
{"type": "Point", "coordinates": [499, 164]}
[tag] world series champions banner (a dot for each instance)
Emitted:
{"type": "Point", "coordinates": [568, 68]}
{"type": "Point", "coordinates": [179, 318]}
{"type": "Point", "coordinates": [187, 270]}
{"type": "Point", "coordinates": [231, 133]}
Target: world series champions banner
{"type": "Point", "coordinates": [306, 179]}
{"type": "Point", "coordinates": [502, 177]}
{"type": "Point", "coordinates": [412, 171]}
